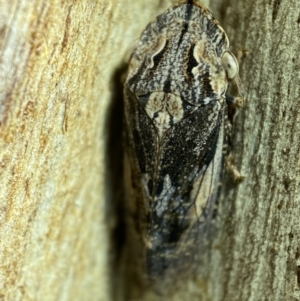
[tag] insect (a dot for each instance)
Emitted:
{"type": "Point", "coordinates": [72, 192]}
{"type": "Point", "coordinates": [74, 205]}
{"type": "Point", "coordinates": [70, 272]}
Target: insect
{"type": "Point", "coordinates": [176, 119]}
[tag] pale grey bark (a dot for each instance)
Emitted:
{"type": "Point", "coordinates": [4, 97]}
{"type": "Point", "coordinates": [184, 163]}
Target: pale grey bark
{"type": "Point", "coordinates": [259, 253]}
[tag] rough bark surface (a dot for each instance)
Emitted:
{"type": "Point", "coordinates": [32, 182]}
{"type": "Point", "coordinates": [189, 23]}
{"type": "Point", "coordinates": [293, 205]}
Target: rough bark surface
{"type": "Point", "coordinates": [57, 67]}
{"type": "Point", "coordinates": [260, 241]}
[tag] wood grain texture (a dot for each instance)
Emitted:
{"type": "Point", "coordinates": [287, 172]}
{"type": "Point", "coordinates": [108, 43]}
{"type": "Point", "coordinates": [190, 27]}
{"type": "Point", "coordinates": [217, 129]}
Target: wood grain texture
{"type": "Point", "coordinates": [260, 240]}
{"type": "Point", "coordinates": [57, 63]}
{"type": "Point", "coordinates": [58, 60]}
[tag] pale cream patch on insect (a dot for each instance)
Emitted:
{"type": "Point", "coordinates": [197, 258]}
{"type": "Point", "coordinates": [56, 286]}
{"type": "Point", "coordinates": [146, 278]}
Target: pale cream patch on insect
{"type": "Point", "coordinates": [159, 47]}
{"type": "Point", "coordinates": [165, 109]}
{"type": "Point", "coordinates": [138, 56]}
{"type": "Point", "coordinates": [203, 52]}
{"type": "Point", "coordinates": [162, 122]}
{"type": "Point", "coordinates": [213, 116]}
{"type": "Point", "coordinates": [218, 80]}
{"type": "Point", "coordinates": [163, 200]}
{"type": "Point", "coordinates": [199, 49]}
{"type": "Point", "coordinates": [198, 54]}
{"type": "Point", "coordinates": [174, 107]}
{"type": "Point", "coordinates": [206, 186]}
{"type": "Point", "coordinates": [155, 103]}
{"type": "Point", "coordinates": [200, 192]}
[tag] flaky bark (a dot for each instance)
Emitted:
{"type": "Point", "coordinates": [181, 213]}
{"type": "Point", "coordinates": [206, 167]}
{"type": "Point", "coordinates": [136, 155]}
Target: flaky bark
{"type": "Point", "coordinates": [58, 66]}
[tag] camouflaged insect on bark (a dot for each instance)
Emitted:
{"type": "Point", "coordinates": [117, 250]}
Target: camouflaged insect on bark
{"type": "Point", "coordinates": [176, 114]}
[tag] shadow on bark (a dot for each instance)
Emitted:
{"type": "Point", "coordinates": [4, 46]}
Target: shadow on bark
{"type": "Point", "coordinates": [115, 206]}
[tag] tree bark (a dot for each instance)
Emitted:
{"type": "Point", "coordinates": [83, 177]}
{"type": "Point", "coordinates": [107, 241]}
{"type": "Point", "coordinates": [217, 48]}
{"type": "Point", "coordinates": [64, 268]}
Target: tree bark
{"type": "Point", "coordinates": [60, 142]}
{"type": "Point", "coordinates": [259, 246]}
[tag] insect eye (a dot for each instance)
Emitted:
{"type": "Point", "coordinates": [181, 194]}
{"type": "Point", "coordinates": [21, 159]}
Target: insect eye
{"type": "Point", "coordinates": [230, 64]}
